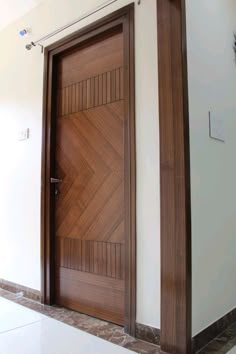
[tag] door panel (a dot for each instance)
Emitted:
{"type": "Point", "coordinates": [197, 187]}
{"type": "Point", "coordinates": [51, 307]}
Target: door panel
{"type": "Point", "coordinates": [90, 160]}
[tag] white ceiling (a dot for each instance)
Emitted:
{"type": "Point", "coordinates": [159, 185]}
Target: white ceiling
{"type": "Point", "coordinates": [11, 10]}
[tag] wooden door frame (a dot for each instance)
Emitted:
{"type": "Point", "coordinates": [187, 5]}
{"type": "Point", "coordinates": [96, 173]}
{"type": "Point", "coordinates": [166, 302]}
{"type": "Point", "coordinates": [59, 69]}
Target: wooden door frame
{"type": "Point", "coordinates": [174, 170]}
{"type": "Point", "coordinates": [176, 277]}
{"type": "Point", "coordinates": [123, 18]}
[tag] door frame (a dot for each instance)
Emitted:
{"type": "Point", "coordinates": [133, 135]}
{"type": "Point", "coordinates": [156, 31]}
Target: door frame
{"type": "Point", "coordinates": [176, 258]}
{"type": "Point", "coordinates": [123, 18]}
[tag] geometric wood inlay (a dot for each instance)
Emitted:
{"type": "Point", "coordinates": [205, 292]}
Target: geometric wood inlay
{"type": "Point", "coordinates": [101, 258]}
{"type": "Point", "coordinates": [93, 92]}
{"type": "Point", "coordinates": [90, 160]}
{"type": "Point", "coordinates": [90, 150]}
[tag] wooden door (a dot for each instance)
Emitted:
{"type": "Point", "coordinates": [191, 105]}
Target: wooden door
{"type": "Point", "coordinates": [90, 161]}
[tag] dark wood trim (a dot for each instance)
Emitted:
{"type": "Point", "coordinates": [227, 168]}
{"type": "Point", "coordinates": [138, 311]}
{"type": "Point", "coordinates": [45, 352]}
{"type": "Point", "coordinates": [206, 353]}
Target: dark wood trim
{"type": "Point", "coordinates": [214, 330]}
{"type": "Point", "coordinates": [130, 192]}
{"type": "Point", "coordinates": [175, 178]}
{"type": "Point", "coordinates": [148, 333]}
{"type": "Point", "coordinates": [123, 18]}
{"type": "Point", "coordinates": [27, 292]}
{"type": "Point", "coordinates": [43, 192]}
{"type": "Point", "coordinates": [47, 266]}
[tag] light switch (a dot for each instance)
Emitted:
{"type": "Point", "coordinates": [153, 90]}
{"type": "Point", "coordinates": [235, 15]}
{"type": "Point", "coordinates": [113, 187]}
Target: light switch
{"type": "Point", "coordinates": [23, 134]}
{"type": "Point", "coordinates": [216, 127]}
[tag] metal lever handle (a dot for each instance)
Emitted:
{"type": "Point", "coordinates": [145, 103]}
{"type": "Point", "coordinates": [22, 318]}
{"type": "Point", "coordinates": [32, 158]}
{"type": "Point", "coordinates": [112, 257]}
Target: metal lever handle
{"type": "Point", "coordinates": [55, 180]}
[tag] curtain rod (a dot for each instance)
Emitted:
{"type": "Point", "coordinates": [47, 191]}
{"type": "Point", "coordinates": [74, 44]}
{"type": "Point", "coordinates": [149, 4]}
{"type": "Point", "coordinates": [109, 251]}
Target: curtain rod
{"type": "Point", "coordinates": [29, 46]}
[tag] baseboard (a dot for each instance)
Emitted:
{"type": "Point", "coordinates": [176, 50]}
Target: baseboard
{"type": "Point", "coordinates": [211, 332]}
{"type": "Point", "coordinates": [29, 293]}
{"type": "Point", "coordinates": [148, 334]}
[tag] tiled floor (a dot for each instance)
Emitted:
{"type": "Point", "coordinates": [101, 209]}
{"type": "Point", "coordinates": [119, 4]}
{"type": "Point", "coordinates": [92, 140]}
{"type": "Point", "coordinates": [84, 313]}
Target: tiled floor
{"type": "Point", "coordinates": [18, 324]}
{"type": "Point", "coordinates": [24, 331]}
{"type": "Point", "coordinates": [41, 323]}
{"type": "Point", "coordinates": [16, 316]}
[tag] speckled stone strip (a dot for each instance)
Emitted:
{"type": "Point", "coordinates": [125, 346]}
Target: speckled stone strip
{"type": "Point", "coordinates": [214, 330]}
{"type": "Point", "coordinates": [16, 288]}
{"type": "Point", "coordinates": [148, 334]}
{"type": "Point", "coordinates": [223, 343]}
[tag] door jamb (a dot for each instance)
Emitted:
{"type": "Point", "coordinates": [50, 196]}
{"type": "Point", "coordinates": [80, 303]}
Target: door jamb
{"type": "Point", "coordinates": [125, 18]}
{"type": "Point", "coordinates": [176, 277]}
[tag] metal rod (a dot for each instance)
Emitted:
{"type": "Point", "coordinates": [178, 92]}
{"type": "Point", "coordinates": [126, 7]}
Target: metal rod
{"type": "Point", "coordinates": [86, 15]}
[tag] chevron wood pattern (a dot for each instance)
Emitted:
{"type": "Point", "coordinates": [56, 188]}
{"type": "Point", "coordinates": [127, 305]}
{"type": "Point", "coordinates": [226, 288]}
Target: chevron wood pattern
{"type": "Point", "coordinates": [90, 161]}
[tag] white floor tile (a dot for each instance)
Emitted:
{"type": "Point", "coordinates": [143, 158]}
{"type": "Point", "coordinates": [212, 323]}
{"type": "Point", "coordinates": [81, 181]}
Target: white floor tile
{"type": "Point", "coordinates": [53, 337]}
{"type": "Point", "coordinates": [13, 315]}
{"type": "Point", "coordinates": [23, 331]}
{"type": "Point", "coordinates": [232, 351]}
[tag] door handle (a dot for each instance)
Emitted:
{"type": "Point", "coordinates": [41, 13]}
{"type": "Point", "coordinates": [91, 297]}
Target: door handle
{"type": "Point", "coordinates": [55, 180]}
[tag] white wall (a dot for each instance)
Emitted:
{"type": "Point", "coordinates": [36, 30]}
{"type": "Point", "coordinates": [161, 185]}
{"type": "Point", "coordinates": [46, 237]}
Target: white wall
{"type": "Point", "coordinates": [212, 87]}
{"type": "Point", "coordinates": [21, 77]}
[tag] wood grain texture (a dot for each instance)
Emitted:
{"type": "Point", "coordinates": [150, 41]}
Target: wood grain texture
{"type": "Point", "coordinates": [175, 179]}
{"type": "Point", "coordinates": [130, 167]}
{"type": "Point", "coordinates": [92, 92]}
{"type": "Point", "coordinates": [95, 58]}
{"type": "Point", "coordinates": [101, 258]}
{"type": "Point", "coordinates": [90, 158]}
{"type": "Point", "coordinates": [90, 161]}
{"type": "Point", "coordinates": [91, 294]}
{"type": "Point", "coordinates": [100, 93]}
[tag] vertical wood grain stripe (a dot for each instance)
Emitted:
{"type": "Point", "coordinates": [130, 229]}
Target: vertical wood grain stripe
{"type": "Point", "coordinates": [102, 258]}
{"type": "Point", "coordinates": [95, 91]}
{"type": "Point", "coordinates": [84, 95]}
{"type": "Point", "coordinates": [121, 83]}
{"type": "Point", "coordinates": [108, 87]}
{"type": "Point", "coordinates": [88, 94]}
{"type": "Point", "coordinates": [117, 85]}
{"type": "Point", "coordinates": [92, 92]}
{"type": "Point", "coordinates": [104, 88]}
{"type": "Point", "coordinates": [113, 86]}
{"type": "Point", "coordinates": [100, 90]}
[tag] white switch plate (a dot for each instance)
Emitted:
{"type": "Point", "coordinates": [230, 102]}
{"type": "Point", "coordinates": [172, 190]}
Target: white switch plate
{"type": "Point", "coordinates": [216, 127]}
{"type": "Point", "coordinates": [23, 134]}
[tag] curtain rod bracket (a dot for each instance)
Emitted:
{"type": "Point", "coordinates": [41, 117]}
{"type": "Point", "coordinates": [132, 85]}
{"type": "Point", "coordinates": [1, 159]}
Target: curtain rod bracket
{"type": "Point", "coordinates": [29, 46]}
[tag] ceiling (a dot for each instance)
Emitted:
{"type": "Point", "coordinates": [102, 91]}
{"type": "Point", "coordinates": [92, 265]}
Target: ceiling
{"type": "Point", "coordinates": [11, 10]}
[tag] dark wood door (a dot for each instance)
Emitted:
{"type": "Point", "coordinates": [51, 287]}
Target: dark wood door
{"type": "Point", "coordinates": [90, 161]}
